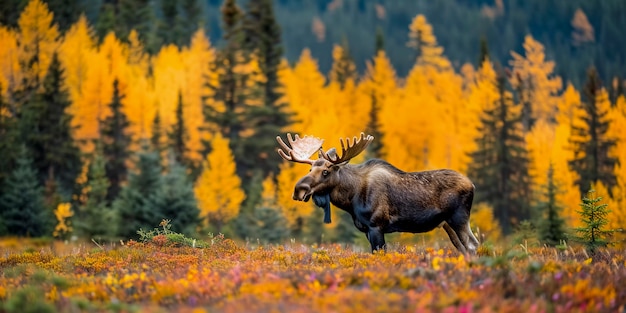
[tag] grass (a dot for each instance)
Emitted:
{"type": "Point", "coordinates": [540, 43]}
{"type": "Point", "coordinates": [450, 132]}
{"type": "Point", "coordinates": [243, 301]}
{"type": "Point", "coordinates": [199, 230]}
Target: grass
{"type": "Point", "coordinates": [168, 272]}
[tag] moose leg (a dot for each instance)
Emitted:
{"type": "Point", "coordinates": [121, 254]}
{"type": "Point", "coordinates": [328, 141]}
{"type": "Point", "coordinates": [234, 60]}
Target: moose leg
{"type": "Point", "coordinates": [454, 238]}
{"type": "Point", "coordinates": [376, 238]}
{"type": "Point", "coordinates": [466, 236]}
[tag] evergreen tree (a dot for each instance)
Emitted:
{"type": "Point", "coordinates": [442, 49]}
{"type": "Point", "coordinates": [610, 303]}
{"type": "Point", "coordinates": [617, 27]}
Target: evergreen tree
{"type": "Point", "coordinates": [116, 143]}
{"type": "Point", "coordinates": [8, 140]}
{"type": "Point", "coordinates": [95, 218]}
{"type": "Point", "coordinates": [484, 50]}
{"type": "Point", "coordinates": [22, 210]}
{"type": "Point", "coordinates": [594, 218]}
{"type": "Point", "coordinates": [229, 93]}
{"type": "Point", "coordinates": [499, 166]}
{"type": "Point", "coordinates": [192, 15]}
{"type": "Point", "coordinates": [137, 15]}
{"type": "Point", "coordinates": [170, 28]}
{"type": "Point", "coordinates": [269, 225]}
{"type": "Point", "coordinates": [66, 12]}
{"type": "Point", "coordinates": [106, 21]}
{"type": "Point", "coordinates": [138, 203]}
{"type": "Point", "coordinates": [551, 225]}
{"type": "Point", "coordinates": [178, 136]}
{"type": "Point", "coordinates": [590, 140]}
{"type": "Point", "coordinates": [178, 202]}
{"type": "Point", "coordinates": [380, 40]}
{"type": "Point", "coordinates": [262, 40]}
{"type": "Point", "coordinates": [155, 139]}
{"type": "Point", "coordinates": [57, 158]}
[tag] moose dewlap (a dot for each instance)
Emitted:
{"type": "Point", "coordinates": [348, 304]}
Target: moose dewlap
{"type": "Point", "coordinates": [380, 197]}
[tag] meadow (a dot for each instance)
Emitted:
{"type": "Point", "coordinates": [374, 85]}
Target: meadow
{"type": "Point", "coordinates": [166, 273]}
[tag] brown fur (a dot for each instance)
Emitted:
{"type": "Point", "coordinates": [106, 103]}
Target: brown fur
{"type": "Point", "coordinates": [383, 199]}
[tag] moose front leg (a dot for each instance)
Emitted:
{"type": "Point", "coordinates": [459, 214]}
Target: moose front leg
{"type": "Point", "coordinates": [376, 239]}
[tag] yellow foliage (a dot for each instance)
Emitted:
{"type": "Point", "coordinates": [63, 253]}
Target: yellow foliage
{"type": "Point", "coordinates": [268, 195]}
{"type": "Point", "coordinates": [10, 74]}
{"type": "Point", "coordinates": [62, 213]}
{"type": "Point", "coordinates": [422, 38]}
{"type": "Point", "coordinates": [218, 189]}
{"type": "Point", "coordinates": [293, 211]}
{"type": "Point", "coordinates": [37, 35]}
{"type": "Point", "coordinates": [483, 223]}
{"type": "Point", "coordinates": [534, 75]}
{"type": "Point", "coordinates": [76, 52]}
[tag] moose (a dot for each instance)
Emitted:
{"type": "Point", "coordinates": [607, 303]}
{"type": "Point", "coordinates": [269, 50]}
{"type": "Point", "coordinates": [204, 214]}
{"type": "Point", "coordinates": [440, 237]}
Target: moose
{"type": "Point", "coordinates": [380, 197]}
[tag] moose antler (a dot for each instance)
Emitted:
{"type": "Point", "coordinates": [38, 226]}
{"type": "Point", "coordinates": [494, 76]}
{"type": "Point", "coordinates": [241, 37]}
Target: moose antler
{"type": "Point", "coordinates": [353, 149]}
{"type": "Point", "coordinates": [301, 148]}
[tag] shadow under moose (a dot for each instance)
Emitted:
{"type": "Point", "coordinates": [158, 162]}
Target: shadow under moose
{"type": "Point", "coordinates": [380, 197]}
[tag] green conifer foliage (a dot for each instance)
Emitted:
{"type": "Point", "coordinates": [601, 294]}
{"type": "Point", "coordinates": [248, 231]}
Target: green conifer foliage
{"type": "Point", "coordinates": [22, 210]}
{"type": "Point", "coordinates": [593, 234]}
{"type": "Point", "coordinates": [551, 224]}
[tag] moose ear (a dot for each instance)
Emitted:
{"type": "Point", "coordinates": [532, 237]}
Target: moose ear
{"type": "Point", "coordinates": [331, 154]}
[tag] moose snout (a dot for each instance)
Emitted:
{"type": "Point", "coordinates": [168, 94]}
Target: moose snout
{"type": "Point", "coordinates": [302, 191]}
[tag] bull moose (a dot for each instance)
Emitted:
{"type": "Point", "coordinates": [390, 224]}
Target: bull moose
{"type": "Point", "coordinates": [380, 197]}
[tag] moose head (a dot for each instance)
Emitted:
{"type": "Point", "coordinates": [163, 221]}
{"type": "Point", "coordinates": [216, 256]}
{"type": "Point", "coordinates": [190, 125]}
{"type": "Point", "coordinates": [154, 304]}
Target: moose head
{"type": "Point", "coordinates": [380, 197]}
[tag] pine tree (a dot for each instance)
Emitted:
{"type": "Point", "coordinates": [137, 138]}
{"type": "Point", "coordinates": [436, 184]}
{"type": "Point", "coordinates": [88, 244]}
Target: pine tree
{"type": "Point", "coordinates": [106, 21]}
{"type": "Point", "coordinates": [551, 225]}
{"type": "Point", "coordinates": [56, 156]}
{"type": "Point", "coordinates": [170, 28]}
{"type": "Point", "coordinates": [137, 15]}
{"type": "Point", "coordinates": [499, 166]}
{"type": "Point", "coordinates": [266, 223]}
{"type": "Point", "coordinates": [262, 40]}
{"type": "Point", "coordinates": [8, 140]}
{"type": "Point", "coordinates": [22, 210]}
{"type": "Point", "coordinates": [116, 142]}
{"type": "Point", "coordinates": [594, 218]}
{"type": "Point", "coordinates": [66, 12]}
{"type": "Point", "coordinates": [225, 113]}
{"type": "Point", "coordinates": [178, 200]}
{"type": "Point", "coordinates": [380, 40]}
{"type": "Point", "coordinates": [590, 141]}
{"type": "Point", "coordinates": [155, 139]}
{"type": "Point", "coordinates": [95, 218]}
{"type": "Point", "coordinates": [137, 206]}
{"type": "Point", "coordinates": [178, 136]}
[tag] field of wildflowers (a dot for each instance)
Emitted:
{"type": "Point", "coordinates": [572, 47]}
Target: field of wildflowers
{"type": "Point", "coordinates": [160, 275]}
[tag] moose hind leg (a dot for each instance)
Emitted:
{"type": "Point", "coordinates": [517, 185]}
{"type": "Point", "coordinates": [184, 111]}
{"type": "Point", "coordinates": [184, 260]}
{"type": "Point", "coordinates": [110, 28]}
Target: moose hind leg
{"type": "Point", "coordinates": [454, 238]}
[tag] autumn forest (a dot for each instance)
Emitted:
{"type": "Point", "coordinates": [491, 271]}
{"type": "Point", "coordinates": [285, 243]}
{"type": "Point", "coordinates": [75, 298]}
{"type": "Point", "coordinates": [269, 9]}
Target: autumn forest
{"type": "Point", "coordinates": [102, 136]}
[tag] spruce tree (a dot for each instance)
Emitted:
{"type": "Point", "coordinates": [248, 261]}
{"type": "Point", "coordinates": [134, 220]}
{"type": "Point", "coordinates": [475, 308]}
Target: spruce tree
{"type": "Point", "coordinates": [106, 21]}
{"type": "Point", "coordinates": [66, 12]}
{"type": "Point", "coordinates": [499, 166]}
{"type": "Point", "coordinates": [57, 156]}
{"type": "Point", "coordinates": [138, 203]}
{"type": "Point", "coordinates": [262, 41]}
{"type": "Point", "coordinates": [594, 218]}
{"type": "Point", "coordinates": [178, 202]}
{"type": "Point", "coordinates": [380, 40]}
{"type": "Point", "coordinates": [268, 225]}
{"type": "Point", "coordinates": [95, 218]}
{"type": "Point", "coordinates": [155, 139]}
{"type": "Point", "coordinates": [228, 92]}
{"type": "Point", "coordinates": [116, 142]}
{"type": "Point", "coordinates": [551, 225]}
{"type": "Point", "coordinates": [8, 140]}
{"type": "Point", "coordinates": [178, 136]}
{"type": "Point", "coordinates": [22, 210]}
{"type": "Point", "coordinates": [590, 140]}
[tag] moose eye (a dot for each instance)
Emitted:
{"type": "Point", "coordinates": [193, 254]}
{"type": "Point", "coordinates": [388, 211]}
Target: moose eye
{"type": "Point", "coordinates": [325, 173]}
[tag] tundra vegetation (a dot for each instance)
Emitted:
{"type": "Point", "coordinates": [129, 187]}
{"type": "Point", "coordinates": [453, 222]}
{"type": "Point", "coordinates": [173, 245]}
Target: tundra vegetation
{"type": "Point", "coordinates": [117, 117]}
